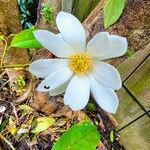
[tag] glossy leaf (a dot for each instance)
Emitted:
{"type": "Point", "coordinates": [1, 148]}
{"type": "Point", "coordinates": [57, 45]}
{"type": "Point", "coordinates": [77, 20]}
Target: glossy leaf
{"type": "Point", "coordinates": [42, 123]}
{"type": "Point", "coordinates": [82, 136]}
{"type": "Point", "coordinates": [112, 11]}
{"type": "Point", "coordinates": [25, 39]}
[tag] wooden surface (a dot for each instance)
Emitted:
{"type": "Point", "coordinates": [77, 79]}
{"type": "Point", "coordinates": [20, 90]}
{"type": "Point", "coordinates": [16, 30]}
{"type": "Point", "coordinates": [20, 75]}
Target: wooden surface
{"type": "Point", "coordinates": [137, 135]}
{"type": "Point", "coordinates": [127, 67]}
{"type": "Point", "coordinates": [128, 109]}
{"type": "Point", "coordinates": [139, 83]}
{"type": "Point", "coordinates": [135, 72]}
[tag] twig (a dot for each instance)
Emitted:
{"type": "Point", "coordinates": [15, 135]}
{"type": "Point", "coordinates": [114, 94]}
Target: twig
{"type": "Point", "coordinates": [4, 84]}
{"type": "Point", "coordinates": [6, 141]}
{"type": "Point", "coordinates": [15, 113]}
{"type": "Point", "coordinates": [14, 66]}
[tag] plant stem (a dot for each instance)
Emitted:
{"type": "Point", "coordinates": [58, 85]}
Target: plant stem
{"type": "Point", "coordinates": [6, 141]}
{"type": "Point", "coordinates": [5, 50]}
{"type": "Point", "coordinates": [14, 66]}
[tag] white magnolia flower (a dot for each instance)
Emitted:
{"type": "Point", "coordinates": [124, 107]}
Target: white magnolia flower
{"type": "Point", "coordinates": [79, 68]}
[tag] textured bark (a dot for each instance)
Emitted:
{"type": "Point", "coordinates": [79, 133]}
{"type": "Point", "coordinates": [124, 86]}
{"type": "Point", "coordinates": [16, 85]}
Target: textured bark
{"type": "Point", "coordinates": [10, 24]}
{"type": "Point", "coordinates": [9, 17]}
{"type": "Point", "coordinates": [134, 23]}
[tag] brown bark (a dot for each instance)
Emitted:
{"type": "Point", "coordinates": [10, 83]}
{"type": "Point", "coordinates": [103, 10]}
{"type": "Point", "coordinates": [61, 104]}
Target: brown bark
{"type": "Point", "coordinates": [9, 17]}
{"type": "Point", "coordinates": [134, 23]}
{"type": "Point", "coordinates": [10, 24]}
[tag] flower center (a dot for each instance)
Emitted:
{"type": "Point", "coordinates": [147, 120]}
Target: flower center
{"type": "Point", "coordinates": [80, 63]}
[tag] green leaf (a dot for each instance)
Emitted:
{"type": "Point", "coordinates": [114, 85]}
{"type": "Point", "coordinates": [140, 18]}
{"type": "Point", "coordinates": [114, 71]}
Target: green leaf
{"type": "Point", "coordinates": [26, 109]}
{"type": "Point", "coordinates": [25, 39]}
{"type": "Point", "coordinates": [42, 123]}
{"type": "Point", "coordinates": [112, 11]}
{"type": "Point", "coordinates": [111, 136]}
{"type": "Point", "coordinates": [82, 136]}
{"type": "Point", "coordinates": [130, 53]}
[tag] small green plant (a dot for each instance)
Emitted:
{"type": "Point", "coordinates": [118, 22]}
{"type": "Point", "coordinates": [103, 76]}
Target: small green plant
{"type": "Point", "coordinates": [47, 12]}
{"type": "Point", "coordinates": [111, 136]}
{"type": "Point", "coordinates": [91, 107]}
{"type": "Point", "coordinates": [21, 82]}
{"type": "Point", "coordinates": [130, 53]}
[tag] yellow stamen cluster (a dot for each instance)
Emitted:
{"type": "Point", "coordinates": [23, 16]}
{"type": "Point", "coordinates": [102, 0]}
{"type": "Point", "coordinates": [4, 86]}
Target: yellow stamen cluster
{"type": "Point", "coordinates": [80, 63]}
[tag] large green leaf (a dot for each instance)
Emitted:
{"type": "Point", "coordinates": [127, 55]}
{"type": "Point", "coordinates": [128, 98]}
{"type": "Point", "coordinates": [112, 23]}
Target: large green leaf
{"type": "Point", "coordinates": [25, 39]}
{"type": "Point", "coordinates": [112, 11]}
{"type": "Point", "coordinates": [82, 136]}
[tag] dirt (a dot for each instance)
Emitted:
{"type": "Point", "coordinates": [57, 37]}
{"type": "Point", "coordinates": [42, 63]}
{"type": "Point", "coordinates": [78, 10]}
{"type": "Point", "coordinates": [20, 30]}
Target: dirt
{"type": "Point", "coordinates": [46, 139]}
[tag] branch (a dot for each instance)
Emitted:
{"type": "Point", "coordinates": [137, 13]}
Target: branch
{"type": "Point", "coordinates": [14, 66]}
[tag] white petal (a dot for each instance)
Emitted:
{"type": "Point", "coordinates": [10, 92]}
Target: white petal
{"type": "Point", "coordinates": [55, 80]}
{"type": "Point", "coordinates": [54, 43]}
{"type": "Point", "coordinates": [107, 75]}
{"type": "Point", "coordinates": [60, 90]}
{"type": "Point", "coordinates": [44, 67]}
{"type": "Point", "coordinates": [71, 30]}
{"type": "Point", "coordinates": [117, 46]}
{"type": "Point", "coordinates": [104, 96]}
{"type": "Point", "coordinates": [77, 93]}
{"type": "Point", "coordinates": [105, 46]}
{"type": "Point", "coordinates": [99, 44]}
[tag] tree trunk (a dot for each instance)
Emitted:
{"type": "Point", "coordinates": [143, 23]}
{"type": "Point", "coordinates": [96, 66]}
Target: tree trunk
{"type": "Point", "coordinates": [134, 23]}
{"type": "Point", "coordinates": [10, 24]}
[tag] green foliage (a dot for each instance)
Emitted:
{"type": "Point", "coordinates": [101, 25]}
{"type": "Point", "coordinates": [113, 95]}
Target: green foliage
{"type": "Point", "coordinates": [130, 53]}
{"type": "Point", "coordinates": [82, 136]}
{"type": "Point", "coordinates": [112, 136]}
{"type": "Point", "coordinates": [25, 39]}
{"type": "Point", "coordinates": [26, 109]}
{"type": "Point", "coordinates": [47, 13]}
{"type": "Point", "coordinates": [24, 12]}
{"type": "Point", "coordinates": [12, 125]}
{"type": "Point", "coordinates": [21, 82]}
{"type": "Point", "coordinates": [112, 11]}
{"type": "Point", "coordinates": [3, 124]}
{"type": "Point", "coordinates": [2, 37]}
{"type": "Point", "coordinates": [91, 107]}
{"type": "Point", "coordinates": [42, 123]}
